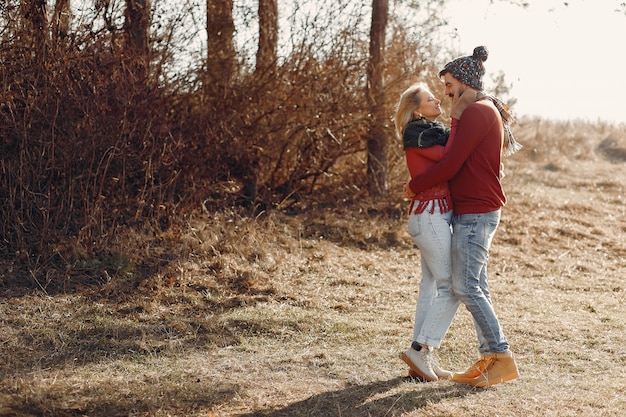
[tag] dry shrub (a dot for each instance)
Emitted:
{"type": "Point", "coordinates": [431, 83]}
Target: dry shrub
{"type": "Point", "coordinates": [99, 143]}
{"type": "Point", "coordinates": [86, 148]}
{"type": "Point", "coordinates": [557, 143]}
{"type": "Point", "coordinates": [278, 139]}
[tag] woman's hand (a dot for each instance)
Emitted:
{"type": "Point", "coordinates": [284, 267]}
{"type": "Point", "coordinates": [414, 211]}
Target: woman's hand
{"type": "Point", "coordinates": [407, 191]}
{"type": "Point", "coordinates": [459, 103]}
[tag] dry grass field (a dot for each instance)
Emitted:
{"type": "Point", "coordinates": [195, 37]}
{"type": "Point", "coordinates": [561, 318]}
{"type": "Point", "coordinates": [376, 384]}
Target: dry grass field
{"type": "Point", "coordinates": [305, 314]}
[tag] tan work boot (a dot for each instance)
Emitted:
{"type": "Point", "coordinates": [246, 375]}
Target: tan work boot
{"type": "Point", "coordinates": [473, 371]}
{"type": "Point", "coordinates": [501, 368]}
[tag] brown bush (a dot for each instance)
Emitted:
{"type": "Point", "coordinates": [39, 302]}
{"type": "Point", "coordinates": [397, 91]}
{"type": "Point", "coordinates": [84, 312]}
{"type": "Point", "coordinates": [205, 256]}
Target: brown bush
{"type": "Point", "coordinates": [99, 140]}
{"type": "Point", "coordinates": [86, 145]}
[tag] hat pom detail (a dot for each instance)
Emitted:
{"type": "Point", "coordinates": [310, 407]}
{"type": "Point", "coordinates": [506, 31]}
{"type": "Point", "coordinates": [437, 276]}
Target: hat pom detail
{"type": "Point", "coordinates": [480, 53]}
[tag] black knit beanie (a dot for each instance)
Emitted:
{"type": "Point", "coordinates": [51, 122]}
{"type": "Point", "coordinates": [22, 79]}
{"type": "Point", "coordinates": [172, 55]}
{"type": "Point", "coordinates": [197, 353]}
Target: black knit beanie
{"type": "Point", "coordinates": [468, 69]}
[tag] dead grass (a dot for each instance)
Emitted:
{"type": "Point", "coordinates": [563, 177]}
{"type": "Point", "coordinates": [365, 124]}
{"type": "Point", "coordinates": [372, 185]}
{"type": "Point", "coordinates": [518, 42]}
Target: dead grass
{"type": "Point", "coordinates": [304, 315]}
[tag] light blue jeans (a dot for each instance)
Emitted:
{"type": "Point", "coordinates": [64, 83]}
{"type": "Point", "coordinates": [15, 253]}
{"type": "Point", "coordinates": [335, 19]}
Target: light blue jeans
{"type": "Point", "coordinates": [471, 239]}
{"type": "Point", "coordinates": [436, 304]}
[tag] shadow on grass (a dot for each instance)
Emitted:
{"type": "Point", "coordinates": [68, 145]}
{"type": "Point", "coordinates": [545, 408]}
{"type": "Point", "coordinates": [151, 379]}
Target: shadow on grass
{"type": "Point", "coordinates": [376, 399]}
{"type": "Point", "coordinates": [116, 400]}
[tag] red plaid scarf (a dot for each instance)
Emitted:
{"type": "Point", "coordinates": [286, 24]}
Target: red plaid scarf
{"type": "Point", "coordinates": [511, 145]}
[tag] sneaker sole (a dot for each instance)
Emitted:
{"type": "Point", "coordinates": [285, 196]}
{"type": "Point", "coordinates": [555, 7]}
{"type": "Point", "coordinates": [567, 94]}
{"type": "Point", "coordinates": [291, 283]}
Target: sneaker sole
{"type": "Point", "coordinates": [415, 377]}
{"type": "Point", "coordinates": [445, 376]}
{"type": "Point", "coordinates": [416, 369]}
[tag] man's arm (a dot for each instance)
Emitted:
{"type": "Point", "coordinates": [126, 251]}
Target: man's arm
{"type": "Point", "coordinates": [471, 131]}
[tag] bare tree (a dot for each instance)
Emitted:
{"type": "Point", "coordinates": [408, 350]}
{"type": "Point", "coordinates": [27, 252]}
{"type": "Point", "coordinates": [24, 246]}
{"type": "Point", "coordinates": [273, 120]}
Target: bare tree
{"type": "Point", "coordinates": [61, 19]}
{"type": "Point", "coordinates": [221, 57]}
{"type": "Point", "coordinates": [377, 135]}
{"type": "Point", "coordinates": [137, 24]}
{"type": "Point", "coordinates": [35, 20]}
{"type": "Point", "coordinates": [266, 55]}
{"type": "Point", "coordinates": [137, 32]}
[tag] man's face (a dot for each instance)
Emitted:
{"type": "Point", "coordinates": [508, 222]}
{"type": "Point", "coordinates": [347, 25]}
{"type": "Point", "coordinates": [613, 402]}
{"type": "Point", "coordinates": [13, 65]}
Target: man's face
{"type": "Point", "coordinates": [454, 87]}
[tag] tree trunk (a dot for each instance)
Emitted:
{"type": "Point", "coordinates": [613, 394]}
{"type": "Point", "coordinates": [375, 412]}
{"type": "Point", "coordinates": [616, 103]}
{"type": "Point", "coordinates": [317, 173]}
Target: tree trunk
{"type": "Point", "coordinates": [221, 57]}
{"type": "Point", "coordinates": [377, 138]}
{"type": "Point", "coordinates": [35, 21]}
{"type": "Point", "coordinates": [61, 20]}
{"type": "Point", "coordinates": [137, 25]}
{"type": "Point", "coordinates": [266, 55]}
{"type": "Point", "coordinates": [137, 33]}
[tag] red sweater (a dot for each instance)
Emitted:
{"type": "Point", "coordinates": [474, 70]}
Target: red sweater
{"type": "Point", "coordinates": [418, 160]}
{"type": "Point", "coordinates": [472, 164]}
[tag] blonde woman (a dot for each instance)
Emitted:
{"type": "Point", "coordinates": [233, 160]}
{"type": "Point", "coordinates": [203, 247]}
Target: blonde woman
{"type": "Point", "coordinates": [472, 167]}
{"type": "Point", "coordinates": [425, 142]}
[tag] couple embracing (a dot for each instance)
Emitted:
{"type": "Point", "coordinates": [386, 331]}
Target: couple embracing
{"type": "Point", "coordinates": [456, 199]}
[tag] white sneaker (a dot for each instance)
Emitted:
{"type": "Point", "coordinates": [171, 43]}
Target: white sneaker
{"type": "Point", "coordinates": [440, 372]}
{"type": "Point", "coordinates": [420, 362]}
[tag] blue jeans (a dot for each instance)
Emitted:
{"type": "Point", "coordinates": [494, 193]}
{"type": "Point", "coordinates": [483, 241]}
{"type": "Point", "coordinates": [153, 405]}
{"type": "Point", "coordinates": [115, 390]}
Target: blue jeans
{"type": "Point", "coordinates": [471, 239]}
{"type": "Point", "coordinates": [436, 304]}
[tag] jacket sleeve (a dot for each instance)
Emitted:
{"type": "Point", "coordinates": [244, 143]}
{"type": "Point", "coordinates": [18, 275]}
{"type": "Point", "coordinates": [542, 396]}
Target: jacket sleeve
{"type": "Point", "coordinates": [470, 132]}
{"type": "Point", "coordinates": [434, 153]}
{"type": "Point", "coordinates": [437, 152]}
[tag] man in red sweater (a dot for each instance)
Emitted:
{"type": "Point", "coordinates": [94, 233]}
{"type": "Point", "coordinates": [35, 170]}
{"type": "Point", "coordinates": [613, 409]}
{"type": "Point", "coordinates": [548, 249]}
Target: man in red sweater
{"type": "Point", "coordinates": [472, 167]}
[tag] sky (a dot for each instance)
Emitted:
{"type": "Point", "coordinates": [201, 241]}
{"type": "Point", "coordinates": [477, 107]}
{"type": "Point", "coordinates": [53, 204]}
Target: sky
{"type": "Point", "coordinates": [563, 61]}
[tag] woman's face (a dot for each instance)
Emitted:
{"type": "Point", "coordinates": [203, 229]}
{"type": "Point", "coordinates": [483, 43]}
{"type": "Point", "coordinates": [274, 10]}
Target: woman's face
{"type": "Point", "coordinates": [429, 106]}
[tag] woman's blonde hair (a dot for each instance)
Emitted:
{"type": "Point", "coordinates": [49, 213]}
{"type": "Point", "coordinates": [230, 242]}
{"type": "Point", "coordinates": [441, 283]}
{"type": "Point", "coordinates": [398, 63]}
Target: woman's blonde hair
{"type": "Point", "coordinates": [409, 101]}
